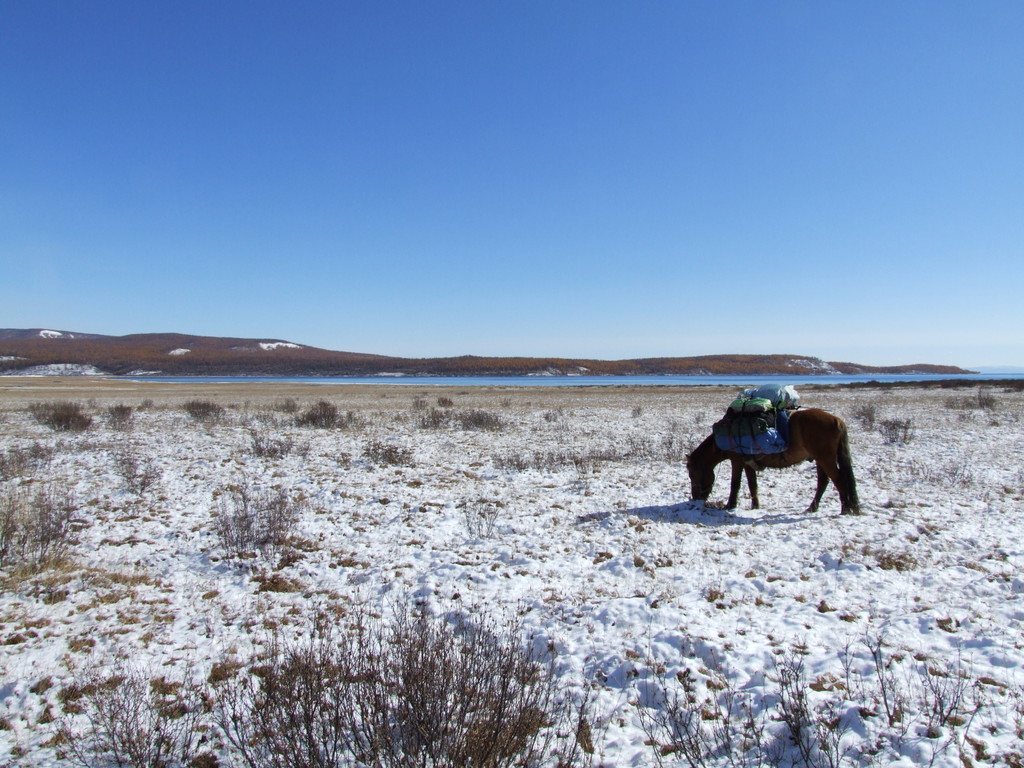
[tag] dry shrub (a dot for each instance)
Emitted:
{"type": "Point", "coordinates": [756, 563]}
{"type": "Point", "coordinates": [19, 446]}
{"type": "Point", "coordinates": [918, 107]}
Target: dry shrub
{"type": "Point", "coordinates": [475, 419]}
{"type": "Point", "coordinates": [287, 405]}
{"type": "Point", "coordinates": [267, 447]}
{"type": "Point", "coordinates": [867, 415]}
{"type": "Point", "coordinates": [388, 454]}
{"type": "Point", "coordinates": [814, 723]}
{"type": "Point", "coordinates": [22, 462]}
{"type": "Point", "coordinates": [35, 528]}
{"type": "Point", "coordinates": [416, 691]}
{"type": "Point", "coordinates": [120, 417]}
{"type": "Point", "coordinates": [955, 473]}
{"type": "Point", "coordinates": [138, 473]}
{"type": "Point", "coordinates": [204, 411]}
{"type": "Point", "coordinates": [482, 517]}
{"type": "Point", "coordinates": [481, 420]}
{"type": "Point", "coordinates": [984, 401]}
{"type": "Point", "coordinates": [325, 415]}
{"type": "Point", "coordinates": [896, 561]}
{"type": "Point", "coordinates": [250, 519]}
{"type": "Point", "coordinates": [584, 462]}
{"type": "Point", "coordinates": [131, 721]}
{"type": "Point", "coordinates": [61, 416]}
{"type": "Point", "coordinates": [434, 418]}
{"type": "Point", "coordinates": [897, 430]}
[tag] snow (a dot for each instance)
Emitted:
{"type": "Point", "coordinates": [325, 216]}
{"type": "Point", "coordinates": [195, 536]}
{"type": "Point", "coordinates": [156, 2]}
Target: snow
{"type": "Point", "coordinates": [272, 345]}
{"type": "Point", "coordinates": [812, 363]}
{"type": "Point", "coordinates": [56, 369]}
{"type": "Point", "coordinates": [179, 351]}
{"type": "Point", "coordinates": [51, 334]}
{"type": "Point", "coordinates": [575, 516]}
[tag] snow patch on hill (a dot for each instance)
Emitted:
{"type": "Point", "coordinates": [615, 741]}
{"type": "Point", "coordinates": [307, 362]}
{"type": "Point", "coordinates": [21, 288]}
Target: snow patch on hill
{"type": "Point", "coordinates": [180, 351]}
{"type": "Point", "coordinates": [57, 369]}
{"type": "Point", "coordinates": [271, 345]}
{"type": "Point", "coordinates": [812, 363]}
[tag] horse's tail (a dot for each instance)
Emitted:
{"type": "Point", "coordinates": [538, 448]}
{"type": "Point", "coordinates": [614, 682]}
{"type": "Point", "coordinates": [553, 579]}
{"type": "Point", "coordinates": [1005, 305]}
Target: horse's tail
{"type": "Point", "coordinates": [845, 462]}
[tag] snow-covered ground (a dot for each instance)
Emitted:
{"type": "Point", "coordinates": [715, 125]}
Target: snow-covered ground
{"type": "Point", "coordinates": [567, 507]}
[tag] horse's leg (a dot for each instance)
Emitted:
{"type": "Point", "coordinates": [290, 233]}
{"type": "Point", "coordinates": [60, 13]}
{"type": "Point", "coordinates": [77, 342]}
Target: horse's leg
{"type": "Point", "coordinates": [848, 490]}
{"type": "Point", "coordinates": [835, 472]}
{"type": "Point", "coordinates": [734, 484]}
{"type": "Point", "coordinates": [755, 502]}
{"type": "Point", "coordinates": [822, 485]}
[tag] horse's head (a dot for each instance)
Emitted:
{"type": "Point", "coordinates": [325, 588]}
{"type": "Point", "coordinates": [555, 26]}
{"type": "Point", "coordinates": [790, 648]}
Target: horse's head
{"type": "Point", "coordinates": [702, 477]}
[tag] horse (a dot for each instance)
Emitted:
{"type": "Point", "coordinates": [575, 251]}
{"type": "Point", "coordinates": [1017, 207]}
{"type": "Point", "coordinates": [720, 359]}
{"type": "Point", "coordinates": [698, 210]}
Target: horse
{"type": "Point", "coordinates": [814, 435]}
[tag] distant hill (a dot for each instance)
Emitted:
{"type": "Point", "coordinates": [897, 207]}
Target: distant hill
{"type": "Point", "coordinates": [43, 351]}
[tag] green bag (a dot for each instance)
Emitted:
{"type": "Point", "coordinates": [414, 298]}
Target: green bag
{"type": "Point", "coordinates": [751, 405]}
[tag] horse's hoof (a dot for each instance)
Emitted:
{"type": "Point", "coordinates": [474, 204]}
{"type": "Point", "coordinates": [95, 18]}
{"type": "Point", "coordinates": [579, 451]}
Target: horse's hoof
{"type": "Point", "coordinates": [854, 511]}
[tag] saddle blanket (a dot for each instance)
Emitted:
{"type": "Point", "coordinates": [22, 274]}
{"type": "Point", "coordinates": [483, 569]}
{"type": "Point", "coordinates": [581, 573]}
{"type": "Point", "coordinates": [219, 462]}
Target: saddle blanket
{"type": "Point", "coordinates": [752, 434]}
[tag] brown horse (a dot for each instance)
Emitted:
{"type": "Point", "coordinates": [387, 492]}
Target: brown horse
{"type": "Point", "coordinates": [814, 435]}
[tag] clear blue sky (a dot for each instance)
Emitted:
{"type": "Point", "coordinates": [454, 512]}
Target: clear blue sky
{"type": "Point", "coordinates": [582, 179]}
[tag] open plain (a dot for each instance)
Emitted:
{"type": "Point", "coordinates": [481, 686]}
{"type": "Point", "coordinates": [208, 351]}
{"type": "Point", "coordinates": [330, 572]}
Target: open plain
{"type": "Point", "coordinates": [194, 526]}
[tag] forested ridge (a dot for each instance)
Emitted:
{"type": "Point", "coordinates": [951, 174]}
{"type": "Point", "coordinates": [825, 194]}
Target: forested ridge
{"type": "Point", "coordinates": [187, 355]}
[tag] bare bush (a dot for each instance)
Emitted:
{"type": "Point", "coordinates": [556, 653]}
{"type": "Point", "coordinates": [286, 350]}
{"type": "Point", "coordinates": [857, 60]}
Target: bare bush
{"type": "Point", "coordinates": [675, 447]}
{"type": "Point", "coordinates": [61, 416]}
{"type": "Point", "coordinates": [416, 691]}
{"type": "Point", "coordinates": [984, 400]}
{"type": "Point", "coordinates": [204, 411]}
{"type": "Point", "coordinates": [138, 473]}
{"type": "Point", "coordinates": [944, 697]}
{"type": "Point", "coordinates": [481, 517]}
{"type": "Point", "coordinates": [35, 528]}
{"type": "Point", "coordinates": [703, 726]}
{"type": "Point", "coordinates": [267, 447]}
{"type": "Point", "coordinates": [891, 693]}
{"type": "Point", "coordinates": [21, 462]}
{"type": "Point", "coordinates": [388, 454]}
{"type": "Point", "coordinates": [481, 420]}
{"type": "Point", "coordinates": [434, 418]}
{"type": "Point", "coordinates": [325, 415]}
{"type": "Point", "coordinates": [956, 473]}
{"type": "Point", "coordinates": [550, 461]}
{"type": "Point", "coordinates": [866, 414]}
{"type": "Point", "coordinates": [250, 519]}
{"type": "Point", "coordinates": [512, 460]}
{"type": "Point", "coordinates": [120, 418]}
{"type": "Point", "coordinates": [583, 462]}
{"type": "Point", "coordinates": [131, 721]}
{"type": "Point", "coordinates": [817, 733]}
{"type": "Point", "coordinates": [287, 405]}
{"type": "Point", "coordinates": [322, 415]}
{"type": "Point", "coordinates": [897, 430]}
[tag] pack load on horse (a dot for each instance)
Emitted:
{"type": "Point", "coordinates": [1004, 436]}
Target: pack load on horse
{"type": "Point", "coordinates": [757, 422]}
{"type": "Point", "coordinates": [804, 434]}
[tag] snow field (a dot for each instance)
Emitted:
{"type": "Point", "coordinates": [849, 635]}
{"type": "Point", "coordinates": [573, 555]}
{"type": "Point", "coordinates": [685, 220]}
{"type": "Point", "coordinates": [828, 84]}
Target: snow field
{"type": "Point", "coordinates": [571, 513]}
